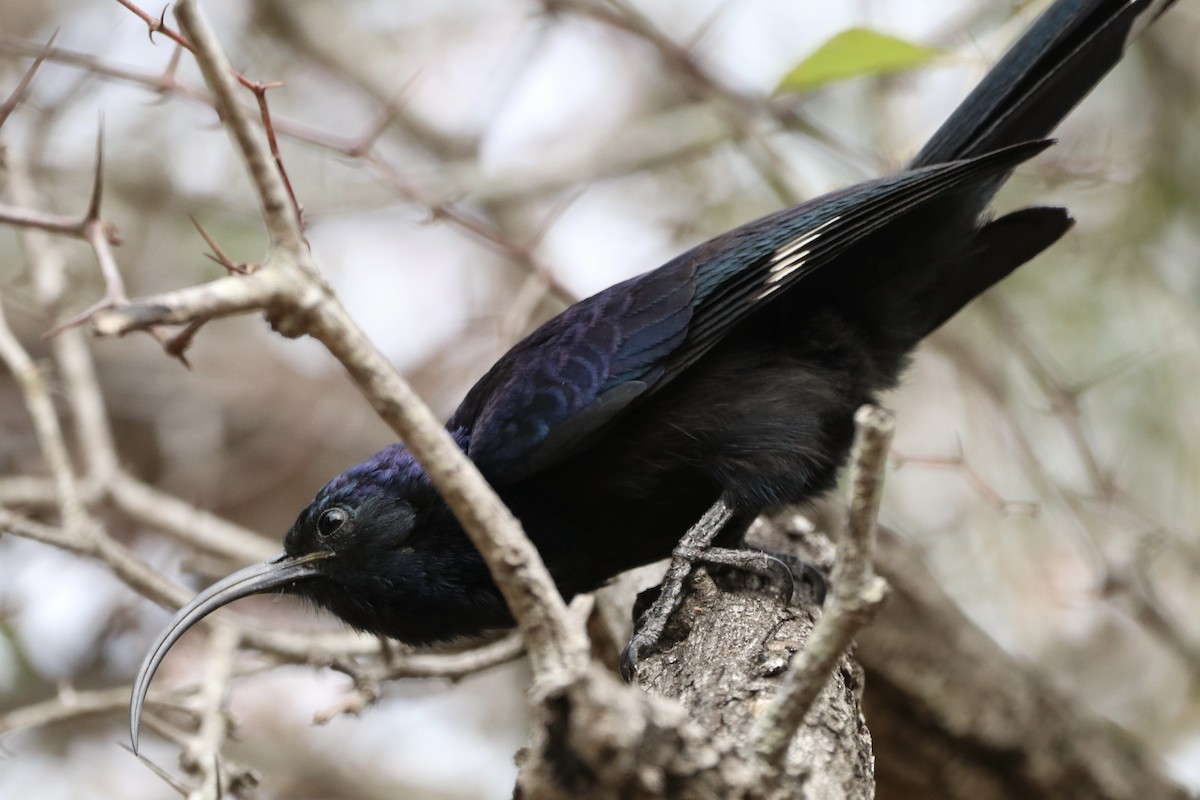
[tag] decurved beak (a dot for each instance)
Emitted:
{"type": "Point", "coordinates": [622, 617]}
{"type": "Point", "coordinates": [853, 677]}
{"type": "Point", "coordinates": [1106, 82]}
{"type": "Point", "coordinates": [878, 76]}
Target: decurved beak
{"type": "Point", "coordinates": [275, 573]}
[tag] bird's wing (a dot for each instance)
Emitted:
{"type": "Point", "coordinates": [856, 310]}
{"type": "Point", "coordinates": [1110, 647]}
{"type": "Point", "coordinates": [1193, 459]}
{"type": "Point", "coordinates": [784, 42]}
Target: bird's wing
{"type": "Point", "coordinates": [558, 388]}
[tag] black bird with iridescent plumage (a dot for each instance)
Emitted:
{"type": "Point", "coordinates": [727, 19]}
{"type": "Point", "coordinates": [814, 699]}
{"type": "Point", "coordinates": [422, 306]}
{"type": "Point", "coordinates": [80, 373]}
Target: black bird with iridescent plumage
{"type": "Point", "coordinates": [729, 374]}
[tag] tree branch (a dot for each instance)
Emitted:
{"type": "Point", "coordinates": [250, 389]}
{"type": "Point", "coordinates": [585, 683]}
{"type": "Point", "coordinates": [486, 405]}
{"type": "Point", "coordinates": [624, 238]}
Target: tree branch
{"type": "Point", "coordinates": [857, 593]}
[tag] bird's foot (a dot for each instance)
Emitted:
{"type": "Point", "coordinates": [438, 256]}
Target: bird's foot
{"type": "Point", "coordinates": [686, 555]}
{"type": "Point", "coordinates": [805, 572]}
{"type": "Point", "coordinates": [696, 548]}
{"type": "Point", "coordinates": [756, 562]}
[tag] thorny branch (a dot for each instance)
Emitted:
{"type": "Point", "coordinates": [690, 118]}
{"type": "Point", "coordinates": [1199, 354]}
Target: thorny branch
{"type": "Point", "coordinates": [105, 481]}
{"type": "Point", "coordinates": [298, 300]}
{"type": "Point", "coordinates": [158, 25]}
{"type": "Point", "coordinates": [101, 480]}
{"type": "Point", "coordinates": [289, 288]}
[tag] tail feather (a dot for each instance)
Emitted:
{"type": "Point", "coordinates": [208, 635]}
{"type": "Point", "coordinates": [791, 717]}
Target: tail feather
{"type": "Point", "coordinates": [1025, 95]}
{"type": "Point", "coordinates": [995, 250]}
{"type": "Point", "coordinates": [1042, 77]}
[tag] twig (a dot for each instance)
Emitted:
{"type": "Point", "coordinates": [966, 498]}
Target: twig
{"type": "Point", "coordinates": [290, 289]}
{"type": "Point", "coordinates": [17, 95]}
{"type": "Point", "coordinates": [104, 478]}
{"type": "Point", "coordinates": [100, 236]}
{"type": "Point", "coordinates": [21, 491]}
{"type": "Point", "coordinates": [186, 523]}
{"type": "Point", "coordinates": [156, 24]}
{"type": "Point", "coordinates": [43, 220]}
{"type": "Point", "coordinates": [45, 423]}
{"type": "Point", "coordinates": [740, 111]}
{"type": "Point", "coordinates": [218, 255]}
{"type": "Point", "coordinates": [1113, 581]}
{"type": "Point", "coordinates": [556, 646]}
{"type": "Point", "coordinates": [1146, 606]}
{"type": "Point", "coordinates": [857, 593]}
{"type": "Point", "coordinates": [959, 463]}
{"type": "Point", "coordinates": [486, 233]}
{"type": "Point", "coordinates": [203, 754]}
{"type": "Point", "coordinates": [298, 300]}
{"type": "Point", "coordinates": [166, 777]}
{"type": "Point", "coordinates": [68, 706]}
{"type": "Point", "coordinates": [286, 646]}
{"type": "Point", "coordinates": [1063, 398]}
{"type": "Point", "coordinates": [18, 525]}
{"type": "Point", "coordinates": [90, 539]}
{"type": "Point", "coordinates": [451, 666]}
{"type": "Point", "coordinates": [258, 88]}
{"type": "Point", "coordinates": [283, 227]}
{"type": "Point", "coordinates": [369, 677]}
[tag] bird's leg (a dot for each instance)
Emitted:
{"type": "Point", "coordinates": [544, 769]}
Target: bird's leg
{"type": "Point", "coordinates": [683, 560]}
{"type": "Point", "coordinates": [696, 548]}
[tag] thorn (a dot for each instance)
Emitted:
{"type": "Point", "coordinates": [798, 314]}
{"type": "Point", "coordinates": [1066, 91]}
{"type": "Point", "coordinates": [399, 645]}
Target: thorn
{"type": "Point", "coordinates": [264, 110]}
{"type": "Point", "coordinates": [705, 28]}
{"type": "Point", "coordinates": [220, 257]}
{"type": "Point", "coordinates": [154, 27]}
{"type": "Point", "coordinates": [19, 93]}
{"type": "Point", "coordinates": [178, 353]}
{"type": "Point", "coordinates": [93, 212]}
{"type": "Point", "coordinates": [240, 268]}
{"type": "Point", "coordinates": [112, 234]}
{"type": "Point", "coordinates": [176, 346]}
{"type": "Point", "coordinates": [78, 319]}
{"type": "Point", "coordinates": [217, 775]}
{"type": "Point", "coordinates": [437, 213]}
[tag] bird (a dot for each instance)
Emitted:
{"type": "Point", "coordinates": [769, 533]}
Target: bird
{"type": "Point", "coordinates": [716, 387]}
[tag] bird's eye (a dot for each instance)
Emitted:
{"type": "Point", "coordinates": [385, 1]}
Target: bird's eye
{"type": "Point", "coordinates": [331, 520]}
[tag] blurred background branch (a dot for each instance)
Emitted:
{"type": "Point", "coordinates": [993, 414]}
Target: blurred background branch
{"type": "Point", "coordinates": [466, 169]}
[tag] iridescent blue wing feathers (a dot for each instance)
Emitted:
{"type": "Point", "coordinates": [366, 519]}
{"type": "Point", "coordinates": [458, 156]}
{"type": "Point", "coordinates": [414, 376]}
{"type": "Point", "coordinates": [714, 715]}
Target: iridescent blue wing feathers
{"type": "Point", "coordinates": [555, 391]}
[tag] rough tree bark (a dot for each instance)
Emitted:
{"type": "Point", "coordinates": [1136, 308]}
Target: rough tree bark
{"type": "Point", "coordinates": [721, 662]}
{"type": "Point", "coordinates": [952, 714]}
{"type": "Point", "coordinates": [748, 697]}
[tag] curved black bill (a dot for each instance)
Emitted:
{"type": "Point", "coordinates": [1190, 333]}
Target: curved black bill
{"type": "Point", "coordinates": [264, 576]}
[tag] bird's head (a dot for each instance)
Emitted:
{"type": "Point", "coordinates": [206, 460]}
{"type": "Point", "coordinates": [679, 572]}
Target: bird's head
{"type": "Point", "coordinates": [367, 548]}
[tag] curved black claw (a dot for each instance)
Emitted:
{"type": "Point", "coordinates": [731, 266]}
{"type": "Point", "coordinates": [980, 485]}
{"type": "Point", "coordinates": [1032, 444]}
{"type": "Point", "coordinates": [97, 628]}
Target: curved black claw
{"type": "Point", "coordinates": [777, 570]}
{"type": "Point", "coordinates": [628, 662]}
{"type": "Point", "coordinates": [808, 574]}
{"type": "Point", "coordinates": [648, 627]}
{"type": "Point", "coordinates": [757, 562]}
{"type": "Point", "coordinates": [812, 577]}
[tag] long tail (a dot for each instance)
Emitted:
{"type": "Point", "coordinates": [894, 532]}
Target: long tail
{"type": "Point", "coordinates": [1066, 52]}
{"type": "Point", "coordinates": [1042, 77]}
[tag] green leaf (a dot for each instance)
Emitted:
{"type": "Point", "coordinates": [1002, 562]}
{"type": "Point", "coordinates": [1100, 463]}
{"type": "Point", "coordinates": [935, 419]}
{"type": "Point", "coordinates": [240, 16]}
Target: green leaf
{"type": "Point", "coordinates": [854, 53]}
